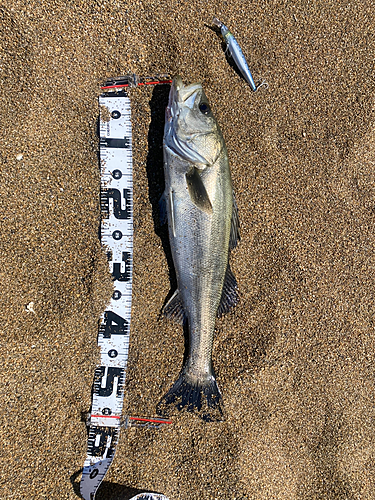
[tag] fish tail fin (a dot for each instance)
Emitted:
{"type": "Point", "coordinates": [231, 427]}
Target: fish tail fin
{"type": "Point", "coordinates": [195, 395]}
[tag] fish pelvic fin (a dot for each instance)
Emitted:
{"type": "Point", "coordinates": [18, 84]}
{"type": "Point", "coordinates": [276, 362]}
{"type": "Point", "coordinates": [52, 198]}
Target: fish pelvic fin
{"type": "Point", "coordinates": [197, 396]}
{"type": "Point", "coordinates": [163, 216]}
{"type": "Point", "coordinates": [171, 211]}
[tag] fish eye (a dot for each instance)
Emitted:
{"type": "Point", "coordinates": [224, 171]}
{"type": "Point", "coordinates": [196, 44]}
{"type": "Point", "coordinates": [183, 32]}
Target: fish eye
{"type": "Point", "coordinates": [204, 108]}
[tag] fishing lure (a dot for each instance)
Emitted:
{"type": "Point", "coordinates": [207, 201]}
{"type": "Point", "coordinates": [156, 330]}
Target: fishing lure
{"type": "Point", "coordinates": [236, 53]}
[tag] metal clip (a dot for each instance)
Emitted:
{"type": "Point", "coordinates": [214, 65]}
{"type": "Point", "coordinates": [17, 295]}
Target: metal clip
{"type": "Point", "coordinates": [132, 80]}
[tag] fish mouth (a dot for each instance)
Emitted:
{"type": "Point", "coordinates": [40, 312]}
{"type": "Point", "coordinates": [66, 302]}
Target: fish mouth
{"type": "Point", "coordinates": [181, 99]}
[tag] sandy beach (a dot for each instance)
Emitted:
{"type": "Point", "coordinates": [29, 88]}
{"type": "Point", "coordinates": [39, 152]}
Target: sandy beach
{"type": "Point", "coordinates": [295, 359]}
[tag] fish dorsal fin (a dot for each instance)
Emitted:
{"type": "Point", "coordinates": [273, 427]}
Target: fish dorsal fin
{"type": "Point", "coordinates": [174, 309]}
{"type": "Point", "coordinates": [229, 295]}
{"type": "Point", "coordinates": [197, 191]}
{"type": "Point", "coordinates": [234, 227]}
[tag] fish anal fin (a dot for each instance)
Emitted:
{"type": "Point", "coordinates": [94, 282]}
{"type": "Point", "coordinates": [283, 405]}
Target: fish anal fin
{"type": "Point", "coordinates": [234, 227]}
{"type": "Point", "coordinates": [174, 309]}
{"type": "Point", "coordinates": [229, 296]}
{"type": "Point", "coordinates": [197, 191]}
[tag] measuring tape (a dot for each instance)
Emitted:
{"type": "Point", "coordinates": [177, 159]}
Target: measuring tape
{"type": "Point", "coordinates": [116, 162]}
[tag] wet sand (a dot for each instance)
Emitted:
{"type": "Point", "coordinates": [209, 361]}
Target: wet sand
{"type": "Point", "coordinates": [295, 359]}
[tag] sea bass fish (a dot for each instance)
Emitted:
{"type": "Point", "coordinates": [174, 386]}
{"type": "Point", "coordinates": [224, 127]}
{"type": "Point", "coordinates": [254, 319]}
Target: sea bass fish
{"type": "Point", "coordinates": [203, 227]}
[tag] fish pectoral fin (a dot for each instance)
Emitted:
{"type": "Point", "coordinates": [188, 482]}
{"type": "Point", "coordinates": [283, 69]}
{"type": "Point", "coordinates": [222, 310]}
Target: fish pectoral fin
{"type": "Point", "coordinates": [174, 309]}
{"type": "Point", "coordinates": [163, 216]}
{"type": "Point", "coordinates": [234, 227]}
{"type": "Point", "coordinates": [229, 295]}
{"type": "Point", "coordinates": [197, 191]}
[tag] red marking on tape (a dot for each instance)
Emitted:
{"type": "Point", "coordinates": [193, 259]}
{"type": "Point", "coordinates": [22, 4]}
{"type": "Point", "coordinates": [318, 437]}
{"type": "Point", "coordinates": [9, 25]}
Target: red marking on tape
{"type": "Point", "coordinates": [151, 420]}
{"type": "Point", "coordinates": [115, 86]}
{"type": "Point", "coordinates": [139, 84]}
{"type": "Point", "coordinates": [155, 83]}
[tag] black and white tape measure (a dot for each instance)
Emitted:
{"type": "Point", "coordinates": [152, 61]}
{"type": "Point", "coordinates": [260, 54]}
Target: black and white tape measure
{"type": "Point", "coordinates": [116, 161]}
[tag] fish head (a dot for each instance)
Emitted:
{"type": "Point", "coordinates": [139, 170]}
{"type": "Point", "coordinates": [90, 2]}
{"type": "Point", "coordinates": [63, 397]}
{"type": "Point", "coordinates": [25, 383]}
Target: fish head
{"type": "Point", "coordinates": [191, 131]}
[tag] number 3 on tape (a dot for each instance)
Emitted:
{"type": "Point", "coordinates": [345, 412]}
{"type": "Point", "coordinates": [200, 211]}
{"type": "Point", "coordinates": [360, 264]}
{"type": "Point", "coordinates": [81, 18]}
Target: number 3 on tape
{"type": "Point", "coordinates": [113, 337]}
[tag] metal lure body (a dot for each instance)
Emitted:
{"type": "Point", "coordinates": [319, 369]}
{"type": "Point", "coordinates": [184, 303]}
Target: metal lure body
{"type": "Point", "coordinates": [236, 53]}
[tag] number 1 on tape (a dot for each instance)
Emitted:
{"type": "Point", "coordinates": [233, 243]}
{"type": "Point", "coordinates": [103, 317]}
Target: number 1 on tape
{"type": "Point", "coordinates": [117, 239]}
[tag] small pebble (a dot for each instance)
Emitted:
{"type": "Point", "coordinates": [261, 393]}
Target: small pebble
{"type": "Point", "coordinates": [30, 307]}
